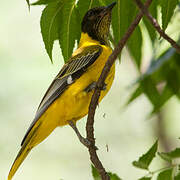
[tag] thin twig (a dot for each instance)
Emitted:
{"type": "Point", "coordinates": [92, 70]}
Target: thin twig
{"type": "Point", "coordinates": [156, 25]}
{"type": "Point", "coordinates": [95, 98]}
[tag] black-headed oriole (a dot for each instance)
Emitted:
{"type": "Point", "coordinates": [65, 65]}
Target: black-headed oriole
{"type": "Point", "coordinates": [68, 97]}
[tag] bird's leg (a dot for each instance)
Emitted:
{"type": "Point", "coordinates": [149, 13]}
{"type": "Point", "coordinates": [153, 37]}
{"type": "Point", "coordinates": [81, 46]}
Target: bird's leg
{"type": "Point", "coordinates": [81, 138]}
{"type": "Point", "coordinates": [92, 86]}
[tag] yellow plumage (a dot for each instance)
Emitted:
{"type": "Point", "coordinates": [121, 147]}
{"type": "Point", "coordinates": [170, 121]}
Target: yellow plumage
{"type": "Point", "coordinates": [71, 105]}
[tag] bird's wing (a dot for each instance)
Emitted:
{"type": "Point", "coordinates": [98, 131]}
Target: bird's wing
{"type": "Point", "coordinates": [71, 71]}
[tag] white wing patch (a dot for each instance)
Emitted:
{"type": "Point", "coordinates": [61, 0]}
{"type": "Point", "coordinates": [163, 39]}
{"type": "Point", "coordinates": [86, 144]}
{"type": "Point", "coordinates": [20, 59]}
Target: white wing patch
{"type": "Point", "coordinates": [69, 80]}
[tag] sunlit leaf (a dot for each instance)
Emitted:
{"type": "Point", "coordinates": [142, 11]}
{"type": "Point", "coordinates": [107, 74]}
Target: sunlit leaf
{"type": "Point", "coordinates": [177, 177]}
{"type": "Point", "coordinates": [145, 178]}
{"type": "Point", "coordinates": [42, 2]}
{"type": "Point", "coordinates": [69, 28]}
{"type": "Point", "coordinates": [157, 63]}
{"type": "Point", "coordinates": [135, 94]}
{"type": "Point", "coordinates": [135, 44]}
{"type": "Point", "coordinates": [165, 175]}
{"type": "Point", "coordinates": [123, 14]}
{"type": "Point", "coordinates": [50, 25]}
{"type": "Point", "coordinates": [145, 160]}
{"type": "Point", "coordinates": [153, 10]}
{"type": "Point", "coordinates": [28, 4]}
{"type": "Point", "coordinates": [150, 90]}
{"type": "Point", "coordinates": [169, 156]}
{"type": "Point", "coordinates": [166, 70]}
{"type": "Point", "coordinates": [113, 176]}
{"type": "Point", "coordinates": [85, 5]}
{"type": "Point", "coordinates": [95, 173]}
{"type": "Point", "coordinates": [167, 10]}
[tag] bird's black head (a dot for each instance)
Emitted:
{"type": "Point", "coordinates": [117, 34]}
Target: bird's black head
{"type": "Point", "coordinates": [96, 23]}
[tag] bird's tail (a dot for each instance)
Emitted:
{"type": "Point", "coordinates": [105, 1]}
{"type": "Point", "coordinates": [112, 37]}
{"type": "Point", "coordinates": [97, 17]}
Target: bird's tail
{"type": "Point", "coordinates": [24, 151]}
{"type": "Point", "coordinates": [41, 129]}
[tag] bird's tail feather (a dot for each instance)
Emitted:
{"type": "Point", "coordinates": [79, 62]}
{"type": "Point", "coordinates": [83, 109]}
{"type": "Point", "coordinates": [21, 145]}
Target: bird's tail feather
{"type": "Point", "coordinates": [24, 151]}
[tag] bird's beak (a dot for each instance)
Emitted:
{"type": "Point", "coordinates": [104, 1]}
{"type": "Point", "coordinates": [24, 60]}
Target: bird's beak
{"type": "Point", "coordinates": [110, 7]}
{"type": "Point", "coordinates": [107, 9]}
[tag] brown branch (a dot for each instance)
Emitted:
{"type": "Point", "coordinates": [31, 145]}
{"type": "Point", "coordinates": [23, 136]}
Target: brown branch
{"type": "Point", "coordinates": [156, 25]}
{"type": "Point", "coordinates": [95, 98]}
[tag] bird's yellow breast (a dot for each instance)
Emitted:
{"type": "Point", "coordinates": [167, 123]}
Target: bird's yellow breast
{"type": "Point", "coordinates": [74, 102]}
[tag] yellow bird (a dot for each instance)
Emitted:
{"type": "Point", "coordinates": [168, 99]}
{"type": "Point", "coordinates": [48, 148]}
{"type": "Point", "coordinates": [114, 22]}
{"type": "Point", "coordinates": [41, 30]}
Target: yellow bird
{"type": "Point", "coordinates": [69, 95]}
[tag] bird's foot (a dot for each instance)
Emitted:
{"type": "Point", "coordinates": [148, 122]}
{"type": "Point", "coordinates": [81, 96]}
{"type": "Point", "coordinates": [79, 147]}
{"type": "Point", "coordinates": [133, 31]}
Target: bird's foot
{"type": "Point", "coordinates": [83, 140]}
{"type": "Point", "coordinates": [92, 86]}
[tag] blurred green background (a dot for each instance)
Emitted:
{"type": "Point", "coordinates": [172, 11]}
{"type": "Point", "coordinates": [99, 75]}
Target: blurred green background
{"type": "Point", "coordinates": [25, 74]}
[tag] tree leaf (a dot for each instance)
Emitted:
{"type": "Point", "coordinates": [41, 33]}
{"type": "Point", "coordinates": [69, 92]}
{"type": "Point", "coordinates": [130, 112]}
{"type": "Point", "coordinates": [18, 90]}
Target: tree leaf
{"type": "Point", "coordinates": [85, 5]}
{"type": "Point", "coordinates": [169, 156]}
{"type": "Point", "coordinates": [69, 28]}
{"type": "Point", "coordinates": [166, 175]}
{"type": "Point", "coordinates": [165, 157]}
{"type": "Point", "coordinates": [167, 10]}
{"type": "Point", "coordinates": [135, 94]}
{"type": "Point", "coordinates": [153, 10]}
{"type": "Point", "coordinates": [42, 2]}
{"type": "Point", "coordinates": [177, 177]}
{"type": "Point", "coordinates": [50, 25]}
{"type": "Point", "coordinates": [150, 90]}
{"type": "Point", "coordinates": [113, 176]}
{"type": "Point", "coordinates": [157, 63]}
{"type": "Point", "coordinates": [95, 173]}
{"type": "Point", "coordinates": [28, 4]}
{"type": "Point", "coordinates": [135, 44]}
{"type": "Point", "coordinates": [123, 14]}
{"type": "Point", "coordinates": [145, 160]}
{"type": "Point", "coordinates": [145, 178]}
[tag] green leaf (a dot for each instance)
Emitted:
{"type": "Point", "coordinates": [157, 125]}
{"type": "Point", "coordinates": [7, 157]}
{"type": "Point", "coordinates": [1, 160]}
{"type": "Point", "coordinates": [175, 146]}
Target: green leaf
{"type": "Point", "coordinates": [135, 94]}
{"type": "Point", "coordinates": [165, 157]}
{"type": "Point", "coordinates": [145, 178]}
{"type": "Point", "coordinates": [169, 156]}
{"type": "Point", "coordinates": [167, 10]}
{"type": "Point", "coordinates": [150, 90]}
{"type": "Point", "coordinates": [166, 175]}
{"type": "Point", "coordinates": [85, 5]}
{"type": "Point", "coordinates": [50, 25]}
{"type": "Point", "coordinates": [177, 177]}
{"type": "Point", "coordinates": [157, 63]}
{"type": "Point", "coordinates": [164, 97]}
{"type": "Point", "coordinates": [69, 28]}
{"type": "Point", "coordinates": [122, 16]}
{"type": "Point", "coordinates": [95, 173]}
{"type": "Point", "coordinates": [145, 160]}
{"type": "Point", "coordinates": [28, 4]}
{"type": "Point", "coordinates": [150, 28]}
{"type": "Point", "coordinates": [42, 2]}
{"type": "Point", "coordinates": [135, 44]}
{"type": "Point", "coordinates": [113, 176]}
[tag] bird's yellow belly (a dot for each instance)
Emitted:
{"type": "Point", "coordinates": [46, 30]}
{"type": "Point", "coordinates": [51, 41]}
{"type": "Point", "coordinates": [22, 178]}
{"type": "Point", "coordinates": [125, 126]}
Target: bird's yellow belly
{"type": "Point", "coordinates": [74, 102]}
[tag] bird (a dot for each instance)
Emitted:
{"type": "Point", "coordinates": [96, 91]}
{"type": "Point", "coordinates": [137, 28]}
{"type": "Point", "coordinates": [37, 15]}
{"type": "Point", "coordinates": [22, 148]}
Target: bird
{"type": "Point", "coordinates": [68, 97]}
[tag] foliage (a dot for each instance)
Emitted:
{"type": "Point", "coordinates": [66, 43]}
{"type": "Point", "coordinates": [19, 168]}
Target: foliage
{"type": "Point", "coordinates": [145, 160]}
{"type": "Point", "coordinates": [161, 80]}
{"type": "Point", "coordinates": [60, 20]}
{"type": "Point", "coordinates": [96, 175]}
{"type": "Point", "coordinates": [167, 173]}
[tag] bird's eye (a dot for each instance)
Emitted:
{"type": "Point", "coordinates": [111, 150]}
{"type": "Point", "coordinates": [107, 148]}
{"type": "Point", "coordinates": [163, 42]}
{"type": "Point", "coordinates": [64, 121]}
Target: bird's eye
{"type": "Point", "coordinates": [90, 13]}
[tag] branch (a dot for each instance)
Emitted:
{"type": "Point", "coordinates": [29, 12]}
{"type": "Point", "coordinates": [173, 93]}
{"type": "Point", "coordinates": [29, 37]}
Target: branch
{"type": "Point", "coordinates": [156, 25]}
{"type": "Point", "coordinates": [95, 98]}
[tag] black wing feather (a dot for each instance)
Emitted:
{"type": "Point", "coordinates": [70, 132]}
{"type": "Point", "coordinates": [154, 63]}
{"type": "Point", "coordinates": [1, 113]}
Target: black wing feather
{"type": "Point", "coordinates": [75, 67]}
